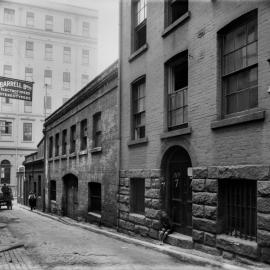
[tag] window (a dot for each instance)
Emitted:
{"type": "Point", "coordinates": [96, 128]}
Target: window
{"type": "Point", "coordinates": [67, 55]}
{"type": "Point", "coordinates": [84, 79]}
{"type": "Point", "coordinates": [29, 49]}
{"type": "Point", "coordinates": [27, 106]}
{"type": "Point", "coordinates": [6, 100]}
{"type": "Point", "coordinates": [8, 42]}
{"type": "Point", "coordinates": [239, 65]}
{"type": "Point", "coordinates": [97, 130]}
{"type": "Point", "coordinates": [7, 72]}
{"type": "Point", "coordinates": [175, 9]}
{"type": "Point", "coordinates": [138, 109]}
{"type": "Point", "coordinates": [48, 51]}
{"type": "Point", "coordinates": [238, 207]}
{"type": "Point", "coordinates": [56, 153]}
{"type": "Point", "coordinates": [9, 16]}
{"type": "Point", "coordinates": [84, 134]}
{"type": "Point", "coordinates": [64, 142]}
{"type": "Point", "coordinates": [5, 171]}
{"type": "Point", "coordinates": [72, 139]}
{"type": "Point", "coordinates": [85, 29]}
{"type": "Point", "coordinates": [30, 18]}
{"type": "Point", "coordinates": [53, 190]}
{"type": "Point", "coordinates": [27, 132]}
{"type": "Point", "coordinates": [48, 77]}
{"type": "Point", "coordinates": [5, 128]}
{"type": "Point", "coordinates": [67, 26]}
{"type": "Point", "coordinates": [177, 85]}
{"type": "Point", "coordinates": [50, 147]}
{"type": "Point", "coordinates": [66, 80]}
{"type": "Point", "coordinates": [85, 57]}
{"type": "Point", "coordinates": [139, 19]}
{"type": "Point", "coordinates": [137, 187]}
{"type": "Point", "coordinates": [29, 74]}
{"type": "Point", "coordinates": [94, 197]}
{"type": "Point", "coordinates": [39, 185]}
{"type": "Point", "coordinates": [48, 103]}
{"type": "Point", "coordinates": [48, 23]}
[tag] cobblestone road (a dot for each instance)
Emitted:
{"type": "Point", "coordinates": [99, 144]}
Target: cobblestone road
{"type": "Point", "coordinates": [50, 244]}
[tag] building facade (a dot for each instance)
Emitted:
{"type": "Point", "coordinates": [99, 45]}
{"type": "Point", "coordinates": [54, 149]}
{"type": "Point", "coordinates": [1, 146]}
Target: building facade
{"type": "Point", "coordinates": [194, 82]}
{"type": "Point", "coordinates": [53, 45]}
{"type": "Point", "coordinates": [81, 139]}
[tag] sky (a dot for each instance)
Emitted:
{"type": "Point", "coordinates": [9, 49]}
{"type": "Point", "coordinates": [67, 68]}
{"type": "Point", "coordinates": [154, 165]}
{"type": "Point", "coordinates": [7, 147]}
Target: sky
{"type": "Point", "coordinates": [108, 11]}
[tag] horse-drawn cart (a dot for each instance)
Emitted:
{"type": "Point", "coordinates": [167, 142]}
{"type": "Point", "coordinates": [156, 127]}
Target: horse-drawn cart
{"type": "Point", "coordinates": [6, 200]}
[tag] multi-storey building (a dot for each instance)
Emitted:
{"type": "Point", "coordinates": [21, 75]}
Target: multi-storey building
{"type": "Point", "coordinates": [82, 142]}
{"type": "Point", "coordinates": [53, 45]}
{"type": "Point", "coordinates": [194, 82]}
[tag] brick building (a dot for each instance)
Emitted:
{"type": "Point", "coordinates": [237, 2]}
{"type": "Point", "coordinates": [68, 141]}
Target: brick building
{"type": "Point", "coordinates": [194, 80]}
{"type": "Point", "coordinates": [81, 139]}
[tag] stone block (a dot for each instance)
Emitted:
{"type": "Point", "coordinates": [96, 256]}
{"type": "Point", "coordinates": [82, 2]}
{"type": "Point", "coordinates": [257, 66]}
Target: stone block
{"type": "Point", "coordinates": [122, 182]}
{"type": "Point", "coordinates": [156, 204]}
{"type": "Point", "coordinates": [263, 188]}
{"type": "Point", "coordinates": [139, 219]}
{"type": "Point", "coordinates": [197, 236]}
{"type": "Point", "coordinates": [179, 240]}
{"type": "Point", "coordinates": [205, 225]}
{"type": "Point", "coordinates": [237, 245]}
{"type": "Point", "coordinates": [263, 221]}
{"type": "Point", "coordinates": [124, 207]}
{"type": "Point", "coordinates": [152, 213]}
{"type": "Point", "coordinates": [207, 249]}
{"type": "Point", "coordinates": [227, 255]}
{"type": "Point", "coordinates": [148, 222]}
{"type": "Point", "coordinates": [156, 183]}
{"type": "Point", "coordinates": [198, 184]}
{"type": "Point", "coordinates": [123, 215]}
{"type": "Point", "coordinates": [204, 198]}
{"type": "Point", "coordinates": [153, 233]}
{"type": "Point", "coordinates": [142, 230]}
{"type": "Point", "coordinates": [123, 190]}
{"type": "Point", "coordinates": [265, 254]}
{"type": "Point", "coordinates": [123, 199]}
{"type": "Point", "coordinates": [199, 172]}
{"type": "Point", "coordinates": [210, 239]}
{"type": "Point", "coordinates": [263, 205]}
{"type": "Point", "coordinates": [148, 183]}
{"type": "Point", "coordinates": [210, 212]}
{"type": "Point", "coordinates": [123, 173]}
{"type": "Point", "coordinates": [211, 185]}
{"type": "Point", "coordinates": [148, 202]}
{"type": "Point", "coordinates": [263, 238]}
{"type": "Point", "coordinates": [198, 210]}
{"type": "Point", "coordinates": [152, 193]}
{"type": "Point", "coordinates": [156, 224]}
{"type": "Point", "coordinates": [128, 226]}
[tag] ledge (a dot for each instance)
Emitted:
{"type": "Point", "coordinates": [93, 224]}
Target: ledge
{"type": "Point", "coordinates": [83, 153]}
{"type": "Point", "coordinates": [138, 52]}
{"type": "Point", "coordinates": [96, 150]}
{"type": "Point", "coordinates": [243, 118]}
{"type": "Point", "coordinates": [175, 24]}
{"type": "Point", "coordinates": [50, 160]}
{"type": "Point", "coordinates": [137, 142]}
{"type": "Point", "coordinates": [176, 133]}
{"type": "Point", "coordinates": [57, 158]}
{"type": "Point", "coordinates": [72, 155]}
{"type": "Point", "coordinates": [64, 157]}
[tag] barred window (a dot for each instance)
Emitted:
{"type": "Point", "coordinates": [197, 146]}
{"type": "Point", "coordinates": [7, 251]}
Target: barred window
{"type": "Point", "coordinates": [66, 80]}
{"type": "Point", "coordinates": [48, 51]}
{"type": "Point", "coordinates": [138, 109]}
{"type": "Point", "coordinates": [8, 46]}
{"type": "Point", "coordinates": [48, 23]}
{"type": "Point", "coordinates": [137, 190]}
{"type": "Point", "coordinates": [238, 208]}
{"type": "Point", "coordinates": [64, 142]}
{"type": "Point", "coordinates": [30, 18]}
{"type": "Point", "coordinates": [240, 64]}
{"type": "Point", "coordinates": [67, 55]}
{"type": "Point", "coordinates": [83, 134]}
{"type": "Point", "coordinates": [67, 26]}
{"type": "Point", "coordinates": [94, 197]}
{"type": "Point", "coordinates": [29, 49]}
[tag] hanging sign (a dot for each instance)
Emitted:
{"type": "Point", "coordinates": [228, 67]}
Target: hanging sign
{"type": "Point", "coordinates": [16, 89]}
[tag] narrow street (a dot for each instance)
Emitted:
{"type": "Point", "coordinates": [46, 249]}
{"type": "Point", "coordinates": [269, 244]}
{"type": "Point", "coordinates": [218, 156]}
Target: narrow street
{"type": "Point", "coordinates": [50, 244]}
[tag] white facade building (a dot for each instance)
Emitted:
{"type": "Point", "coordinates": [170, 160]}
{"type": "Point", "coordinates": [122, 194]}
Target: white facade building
{"type": "Point", "coordinates": [53, 45]}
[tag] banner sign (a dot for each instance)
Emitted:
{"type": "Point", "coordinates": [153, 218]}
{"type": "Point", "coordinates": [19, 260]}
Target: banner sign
{"type": "Point", "coordinates": [16, 89]}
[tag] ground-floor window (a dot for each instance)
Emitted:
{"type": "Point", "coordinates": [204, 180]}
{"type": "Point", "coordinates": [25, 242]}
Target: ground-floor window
{"type": "Point", "coordinates": [137, 188]}
{"type": "Point", "coordinates": [94, 197]}
{"type": "Point", "coordinates": [53, 190]}
{"type": "Point", "coordinates": [238, 208]}
{"type": "Point", "coordinates": [5, 171]}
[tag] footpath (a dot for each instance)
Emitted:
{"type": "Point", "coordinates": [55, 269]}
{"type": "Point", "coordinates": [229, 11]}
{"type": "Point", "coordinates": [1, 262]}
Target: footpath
{"type": "Point", "coordinates": [184, 255]}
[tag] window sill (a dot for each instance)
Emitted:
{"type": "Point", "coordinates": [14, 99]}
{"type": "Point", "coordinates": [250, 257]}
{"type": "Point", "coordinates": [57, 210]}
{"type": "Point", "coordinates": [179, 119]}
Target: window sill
{"type": "Point", "coordinates": [72, 155]}
{"type": "Point", "coordinates": [137, 142]}
{"type": "Point", "coordinates": [176, 133]}
{"type": "Point", "coordinates": [57, 157]}
{"type": "Point", "coordinates": [83, 153]}
{"type": "Point", "coordinates": [175, 24]}
{"type": "Point", "coordinates": [138, 52]}
{"type": "Point", "coordinates": [93, 214]}
{"type": "Point", "coordinates": [247, 116]}
{"type": "Point", "coordinates": [64, 156]}
{"type": "Point", "coordinates": [96, 150]}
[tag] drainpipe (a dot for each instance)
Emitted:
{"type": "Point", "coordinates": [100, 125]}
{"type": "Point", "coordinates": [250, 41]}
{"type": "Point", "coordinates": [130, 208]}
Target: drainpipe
{"type": "Point", "coordinates": [119, 111]}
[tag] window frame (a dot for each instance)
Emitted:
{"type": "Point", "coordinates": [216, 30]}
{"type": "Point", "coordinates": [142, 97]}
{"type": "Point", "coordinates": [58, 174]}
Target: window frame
{"type": "Point", "coordinates": [94, 196]}
{"type": "Point", "coordinates": [48, 52]}
{"type": "Point", "coordinates": [66, 54]}
{"type": "Point", "coordinates": [30, 20]}
{"type": "Point", "coordinates": [25, 131]}
{"type": "Point", "coordinates": [29, 49]}
{"type": "Point", "coordinates": [9, 18]}
{"type": "Point", "coordinates": [85, 29]}
{"type": "Point", "coordinates": [50, 152]}
{"type": "Point", "coordinates": [7, 126]}
{"type": "Point", "coordinates": [57, 144]}
{"type": "Point", "coordinates": [137, 196]}
{"type": "Point", "coordinates": [5, 168]}
{"type": "Point", "coordinates": [97, 130]}
{"type": "Point", "coordinates": [48, 79]}
{"type": "Point", "coordinates": [53, 190]}
{"type": "Point", "coordinates": [66, 80]}
{"type": "Point", "coordinates": [67, 25]}
{"type": "Point", "coordinates": [49, 23]}
{"type": "Point", "coordinates": [85, 56]}
{"type": "Point", "coordinates": [72, 140]}
{"type": "Point", "coordinates": [64, 142]}
{"type": "Point", "coordinates": [83, 134]}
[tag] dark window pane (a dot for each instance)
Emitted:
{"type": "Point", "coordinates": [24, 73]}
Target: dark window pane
{"type": "Point", "coordinates": [252, 54]}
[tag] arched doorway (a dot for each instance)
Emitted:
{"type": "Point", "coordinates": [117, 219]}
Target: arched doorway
{"type": "Point", "coordinates": [70, 202]}
{"type": "Point", "coordinates": [178, 192]}
{"type": "Point", "coordinates": [5, 171]}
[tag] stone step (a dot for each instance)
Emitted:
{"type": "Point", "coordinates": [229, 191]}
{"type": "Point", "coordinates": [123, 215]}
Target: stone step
{"type": "Point", "coordinates": [179, 240]}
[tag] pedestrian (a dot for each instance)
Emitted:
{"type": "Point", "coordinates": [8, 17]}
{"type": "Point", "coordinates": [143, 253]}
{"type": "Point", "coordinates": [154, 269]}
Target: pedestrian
{"type": "Point", "coordinates": [32, 200]}
{"type": "Point", "coordinates": [166, 227]}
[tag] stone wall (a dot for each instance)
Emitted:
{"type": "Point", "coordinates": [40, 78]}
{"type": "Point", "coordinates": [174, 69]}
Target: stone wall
{"type": "Point", "coordinates": [131, 223]}
{"type": "Point", "coordinates": [207, 231]}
